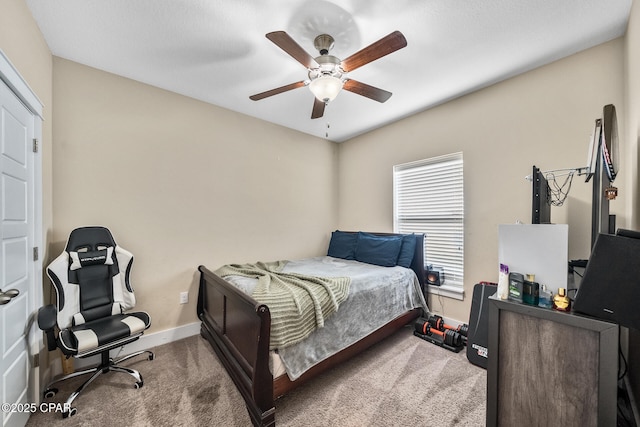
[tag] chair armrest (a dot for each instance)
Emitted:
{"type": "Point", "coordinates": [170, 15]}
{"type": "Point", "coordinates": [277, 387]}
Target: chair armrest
{"type": "Point", "coordinates": [47, 317]}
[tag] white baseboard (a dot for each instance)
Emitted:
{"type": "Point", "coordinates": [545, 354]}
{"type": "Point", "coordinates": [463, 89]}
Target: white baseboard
{"type": "Point", "coordinates": [146, 342]}
{"type": "Point", "coordinates": [155, 339]}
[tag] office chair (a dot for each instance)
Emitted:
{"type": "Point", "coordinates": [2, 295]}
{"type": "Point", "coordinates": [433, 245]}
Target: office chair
{"type": "Point", "coordinates": [91, 280]}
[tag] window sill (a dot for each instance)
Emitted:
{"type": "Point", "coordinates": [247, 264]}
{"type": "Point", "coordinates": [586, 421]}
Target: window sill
{"type": "Point", "coordinates": [455, 292]}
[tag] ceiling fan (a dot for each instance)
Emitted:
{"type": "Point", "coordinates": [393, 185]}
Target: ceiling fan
{"type": "Point", "coordinates": [327, 74]}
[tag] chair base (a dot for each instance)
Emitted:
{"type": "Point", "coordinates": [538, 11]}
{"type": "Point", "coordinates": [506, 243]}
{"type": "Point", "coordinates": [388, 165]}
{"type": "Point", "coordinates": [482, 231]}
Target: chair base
{"type": "Point", "coordinates": [108, 365]}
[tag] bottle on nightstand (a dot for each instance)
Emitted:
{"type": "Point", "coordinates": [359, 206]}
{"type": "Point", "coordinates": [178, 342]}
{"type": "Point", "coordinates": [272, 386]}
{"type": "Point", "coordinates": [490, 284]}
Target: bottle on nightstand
{"type": "Point", "coordinates": [561, 301]}
{"type": "Point", "coordinates": [515, 287]}
{"type": "Point", "coordinates": [530, 290]}
{"type": "Point", "coordinates": [546, 297]}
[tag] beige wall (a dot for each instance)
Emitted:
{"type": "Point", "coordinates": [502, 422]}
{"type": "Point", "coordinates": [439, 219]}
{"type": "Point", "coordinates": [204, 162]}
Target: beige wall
{"type": "Point", "coordinates": [182, 183]}
{"type": "Point", "coordinates": [543, 118]}
{"type": "Point", "coordinates": [22, 42]}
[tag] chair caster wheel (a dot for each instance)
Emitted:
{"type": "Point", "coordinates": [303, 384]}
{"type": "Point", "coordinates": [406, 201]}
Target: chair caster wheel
{"type": "Point", "coordinates": [151, 356]}
{"type": "Point", "coordinates": [139, 384]}
{"type": "Point", "coordinates": [71, 413]}
{"type": "Point", "coordinates": [50, 392]}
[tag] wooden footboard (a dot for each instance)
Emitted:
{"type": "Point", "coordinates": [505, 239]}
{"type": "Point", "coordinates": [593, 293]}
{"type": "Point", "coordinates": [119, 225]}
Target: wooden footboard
{"type": "Point", "coordinates": [238, 328]}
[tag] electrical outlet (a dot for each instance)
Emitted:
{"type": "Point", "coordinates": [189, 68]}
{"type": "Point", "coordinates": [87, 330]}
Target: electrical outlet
{"type": "Point", "coordinates": [184, 297]}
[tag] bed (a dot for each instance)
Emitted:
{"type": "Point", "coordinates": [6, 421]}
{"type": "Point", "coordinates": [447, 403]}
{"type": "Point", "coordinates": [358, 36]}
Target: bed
{"type": "Point", "coordinates": [239, 328]}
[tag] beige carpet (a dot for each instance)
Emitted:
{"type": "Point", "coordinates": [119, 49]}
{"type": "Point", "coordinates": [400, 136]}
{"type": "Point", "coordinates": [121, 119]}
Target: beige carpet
{"type": "Point", "coordinates": [403, 381]}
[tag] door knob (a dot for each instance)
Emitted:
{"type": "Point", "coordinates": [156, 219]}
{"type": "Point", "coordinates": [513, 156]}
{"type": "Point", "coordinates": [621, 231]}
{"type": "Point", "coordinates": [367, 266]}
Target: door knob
{"type": "Point", "coordinates": [8, 295]}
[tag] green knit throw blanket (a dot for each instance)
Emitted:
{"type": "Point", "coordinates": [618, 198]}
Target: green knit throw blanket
{"type": "Point", "coordinates": [298, 303]}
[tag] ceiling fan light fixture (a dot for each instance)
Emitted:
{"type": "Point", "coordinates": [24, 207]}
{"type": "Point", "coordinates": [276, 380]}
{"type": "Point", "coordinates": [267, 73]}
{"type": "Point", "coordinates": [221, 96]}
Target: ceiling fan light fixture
{"type": "Point", "coordinates": [325, 87]}
{"type": "Point", "coordinates": [327, 73]}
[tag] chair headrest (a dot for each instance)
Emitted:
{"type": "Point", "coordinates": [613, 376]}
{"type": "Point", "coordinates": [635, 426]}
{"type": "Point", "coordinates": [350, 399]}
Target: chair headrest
{"type": "Point", "coordinates": [88, 239]}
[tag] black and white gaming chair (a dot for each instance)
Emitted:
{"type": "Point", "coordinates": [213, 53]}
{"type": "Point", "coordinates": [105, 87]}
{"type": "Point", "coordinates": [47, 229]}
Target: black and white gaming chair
{"type": "Point", "coordinates": [91, 280]}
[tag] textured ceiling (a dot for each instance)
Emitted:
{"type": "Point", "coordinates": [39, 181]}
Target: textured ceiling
{"type": "Point", "coordinates": [216, 51]}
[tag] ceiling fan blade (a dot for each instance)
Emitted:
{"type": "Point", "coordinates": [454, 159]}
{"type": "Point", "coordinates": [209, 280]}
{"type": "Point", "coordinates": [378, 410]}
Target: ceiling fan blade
{"type": "Point", "coordinates": [318, 108]}
{"type": "Point", "coordinates": [363, 89]}
{"type": "Point", "coordinates": [377, 50]}
{"type": "Point", "coordinates": [276, 91]}
{"type": "Point", "coordinates": [289, 45]}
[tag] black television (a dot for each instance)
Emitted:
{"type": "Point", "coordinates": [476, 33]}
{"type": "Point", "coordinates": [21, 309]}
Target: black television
{"type": "Point", "coordinates": [540, 206]}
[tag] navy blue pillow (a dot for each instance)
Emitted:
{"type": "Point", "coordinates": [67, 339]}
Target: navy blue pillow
{"type": "Point", "coordinates": [378, 250]}
{"type": "Point", "coordinates": [407, 250]}
{"type": "Point", "coordinates": [343, 245]}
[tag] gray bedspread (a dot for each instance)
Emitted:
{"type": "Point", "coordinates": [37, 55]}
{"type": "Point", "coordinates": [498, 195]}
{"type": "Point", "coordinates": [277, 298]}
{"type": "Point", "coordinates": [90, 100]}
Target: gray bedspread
{"type": "Point", "coordinates": [377, 295]}
{"type": "Point", "coordinates": [298, 303]}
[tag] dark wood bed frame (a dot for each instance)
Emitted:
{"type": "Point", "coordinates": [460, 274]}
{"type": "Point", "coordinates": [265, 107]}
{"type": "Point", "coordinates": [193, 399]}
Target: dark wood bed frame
{"type": "Point", "coordinates": [238, 328]}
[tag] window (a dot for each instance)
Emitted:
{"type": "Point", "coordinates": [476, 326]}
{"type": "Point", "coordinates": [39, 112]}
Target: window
{"type": "Point", "coordinates": [428, 198]}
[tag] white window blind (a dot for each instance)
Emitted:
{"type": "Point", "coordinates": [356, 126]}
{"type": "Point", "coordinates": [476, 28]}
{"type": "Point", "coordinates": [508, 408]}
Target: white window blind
{"type": "Point", "coordinates": [429, 199]}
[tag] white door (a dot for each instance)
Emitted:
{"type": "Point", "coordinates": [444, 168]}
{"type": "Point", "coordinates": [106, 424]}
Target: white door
{"type": "Point", "coordinates": [16, 252]}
